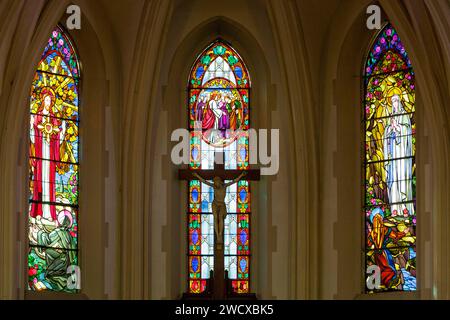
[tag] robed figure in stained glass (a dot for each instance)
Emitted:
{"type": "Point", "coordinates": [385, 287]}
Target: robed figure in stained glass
{"type": "Point", "coordinates": [224, 119]}
{"type": "Point", "coordinates": [208, 117]}
{"type": "Point", "coordinates": [46, 133]}
{"type": "Point", "coordinates": [398, 147]}
{"type": "Point", "coordinates": [380, 236]}
{"type": "Point", "coordinates": [215, 107]}
{"type": "Point", "coordinates": [56, 238]}
{"type": "Point", "coordinates": [201, 105]}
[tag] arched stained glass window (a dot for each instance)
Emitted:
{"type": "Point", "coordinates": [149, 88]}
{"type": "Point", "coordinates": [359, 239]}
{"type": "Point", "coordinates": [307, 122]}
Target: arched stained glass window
{"type": "Point", "coordinates": [390, 167]}
{"type": "Point", "coordinates": [54, 167]}
{"type": "Point", "coordinates": [218, 92]}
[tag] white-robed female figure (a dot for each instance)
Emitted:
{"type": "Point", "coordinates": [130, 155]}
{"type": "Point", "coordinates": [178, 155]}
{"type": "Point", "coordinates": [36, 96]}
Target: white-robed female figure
{"type": "Point", "coordinates": [398, 147]}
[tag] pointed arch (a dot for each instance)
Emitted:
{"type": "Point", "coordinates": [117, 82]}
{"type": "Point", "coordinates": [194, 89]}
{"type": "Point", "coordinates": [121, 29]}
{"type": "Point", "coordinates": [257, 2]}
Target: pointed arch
{"type": "Point", "coordinates": [219, 98]}
{"type": "Point", "coordinates": [389, 163]}
{"type": "Point", "coordinates": [54, 167]}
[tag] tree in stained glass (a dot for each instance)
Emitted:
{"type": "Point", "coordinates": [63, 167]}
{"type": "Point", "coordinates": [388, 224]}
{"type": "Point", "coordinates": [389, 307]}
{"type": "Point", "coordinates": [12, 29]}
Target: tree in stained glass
{"type": "Point", "coordinates": [390, 179]}
{"type": "Point", "coordinates": [54, 167]}
{"type": "Point", "coordinates": [218, 89]}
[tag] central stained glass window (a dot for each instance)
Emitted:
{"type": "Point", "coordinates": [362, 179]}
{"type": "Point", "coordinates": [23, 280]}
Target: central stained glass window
{"type": "Point", "coordinates": [219, 98]}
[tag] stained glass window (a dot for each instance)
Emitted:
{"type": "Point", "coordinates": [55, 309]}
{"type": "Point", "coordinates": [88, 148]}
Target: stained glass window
{"type": "Point", "coordinates": [54, 167]}
{"type": "Point", "coordinates": [219, 99]}
{"type": "Point", "coordinates": [389, 164]}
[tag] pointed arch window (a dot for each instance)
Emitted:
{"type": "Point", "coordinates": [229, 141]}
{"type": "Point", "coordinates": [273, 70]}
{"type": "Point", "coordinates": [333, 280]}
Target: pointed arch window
{"type": "Point", "coordinates": [54, 167]}
{"type": "Point", "coordinates": [389, 163]}
{"type": "Point", "coordinates": [219, 98]}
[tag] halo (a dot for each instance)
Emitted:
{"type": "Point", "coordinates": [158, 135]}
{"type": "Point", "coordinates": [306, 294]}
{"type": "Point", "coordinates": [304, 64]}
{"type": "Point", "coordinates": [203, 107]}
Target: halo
{"type": "Point", "coordinates": [65, 213]}
{"type": "Point", "coordinates": [47, 91]}
{"type": "Point", "coordinates": [375, 212]}
{"type": "Point", "coordinates": [394, 91]}
{"type": "Point", "coordinates": [390, 93]}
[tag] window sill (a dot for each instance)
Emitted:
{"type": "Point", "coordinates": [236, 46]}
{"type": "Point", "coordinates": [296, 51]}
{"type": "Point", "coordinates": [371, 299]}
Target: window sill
{"type": "Point", "coordinates": [389, 296]}
{"type": "Point", "coordinates": [32, 295]}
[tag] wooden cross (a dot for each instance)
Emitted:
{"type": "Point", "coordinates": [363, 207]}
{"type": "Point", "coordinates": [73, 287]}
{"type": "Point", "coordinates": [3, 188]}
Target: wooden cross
{"type": "Point", "coordinates": [219, 171]}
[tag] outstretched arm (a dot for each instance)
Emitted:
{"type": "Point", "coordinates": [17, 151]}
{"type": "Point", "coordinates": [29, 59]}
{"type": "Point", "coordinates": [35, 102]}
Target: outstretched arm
{"type": "Point", "coordinates": [237, 179]}
{"type": "Point", "coordinates": [195, 174]}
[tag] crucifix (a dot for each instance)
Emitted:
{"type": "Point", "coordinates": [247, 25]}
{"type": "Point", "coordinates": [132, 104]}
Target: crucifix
{"type": "Point", "coordinates": [219, 175]}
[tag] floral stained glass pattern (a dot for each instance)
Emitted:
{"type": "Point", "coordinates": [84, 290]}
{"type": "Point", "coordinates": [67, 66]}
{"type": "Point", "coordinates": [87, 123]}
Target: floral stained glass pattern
{"type": "Point", "coordinates": [54, 167]}
{"type": "Point", "coordinates": [390, 180]}
{"type": "Point", "coordinates": [219, 88]}
{"type": "Point", "coordinates": [387, 54]}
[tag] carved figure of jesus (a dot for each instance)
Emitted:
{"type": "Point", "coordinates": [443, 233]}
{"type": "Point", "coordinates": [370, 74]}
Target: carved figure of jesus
{"type": "Point", "coordinates": [218, 206]}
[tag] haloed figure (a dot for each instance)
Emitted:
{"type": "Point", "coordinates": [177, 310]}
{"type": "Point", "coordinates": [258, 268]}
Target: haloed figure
{"type": "Point", "coordinates": [45, 134]}
{"type": "Point", "coordinates": [55, 245]}
{"type": "Point", "coordinates": [381, 237]}
{"type": "Point", "coordinates": [398, 147]}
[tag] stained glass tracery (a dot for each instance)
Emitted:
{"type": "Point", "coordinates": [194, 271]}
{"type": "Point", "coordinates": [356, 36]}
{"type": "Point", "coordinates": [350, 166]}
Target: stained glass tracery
{"type": "Point", "coordinates": [390, 180]}
{"type": "Point", "coordinates": [219, 86]}
{"type": "Point", "coordinates": [54, 167]}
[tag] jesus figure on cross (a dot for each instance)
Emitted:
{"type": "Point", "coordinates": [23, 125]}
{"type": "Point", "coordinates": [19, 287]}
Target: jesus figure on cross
{"type": "Point", "coordinates": [218, 206]}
